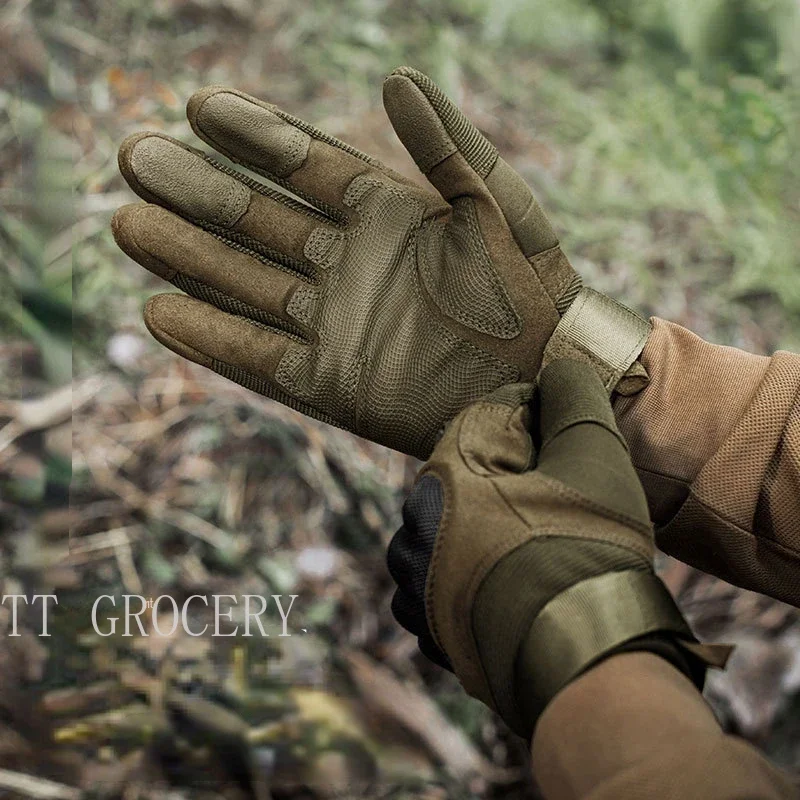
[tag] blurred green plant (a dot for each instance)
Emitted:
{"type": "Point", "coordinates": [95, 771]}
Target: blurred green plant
{"type": "Point", "coordinates": [689, 110]}
{"type": "Point", "coordinates": [35, 245]}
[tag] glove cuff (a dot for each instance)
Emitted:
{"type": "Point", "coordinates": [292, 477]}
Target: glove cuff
{"type": "Point", "coordinates": [588, 621]}
{"type": "Point", "coordinates": [607, 335]}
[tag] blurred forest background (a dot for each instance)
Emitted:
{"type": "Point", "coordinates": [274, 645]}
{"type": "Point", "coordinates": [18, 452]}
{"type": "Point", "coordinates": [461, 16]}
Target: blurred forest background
{"type": "Point", "coordinates": [661, 137]}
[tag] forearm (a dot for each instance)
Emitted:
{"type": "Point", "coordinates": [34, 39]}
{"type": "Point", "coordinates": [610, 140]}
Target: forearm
{"type": "Point", "coordinates": [715, 438]}
{"type": "Point", "coordinates": [635, 727]}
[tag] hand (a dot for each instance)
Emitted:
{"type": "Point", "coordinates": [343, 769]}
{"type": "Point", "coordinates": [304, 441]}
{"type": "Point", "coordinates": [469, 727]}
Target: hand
{"type": "Point", "coordinates": [373, 304]}
{"type": "Point", "coordinates": [520, 566]}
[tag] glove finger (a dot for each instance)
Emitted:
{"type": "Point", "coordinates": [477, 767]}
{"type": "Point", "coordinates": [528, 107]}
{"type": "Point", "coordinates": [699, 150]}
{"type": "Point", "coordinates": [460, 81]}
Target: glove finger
{"type": "Point", "coordinates": [409, 612]}
{"type": "Point", "coordinates": [411, 548]}
{"type": "Point", "coordinates": [205, 267]}
{"type": "Point", "coordinates": [399, 559]}
{"type": "Point", "coordinates": [228, 344]}
{"type": "Point", "coordinates": [411, 615]}
{"type": "Point", "coordinates": [458, 159]}
{"type": "Point", "coordinates": [287, 150]}
{"type": "Point", "coordinates": [580, 443]}
{"type": "Point", "coordinates": [433, 652]}
{"type": "Point", "coordinates": [239, 210]}
{"type": "Point", "coordinates": [422, 511]}
{"type": "Point", "coordinates": [492, 435]}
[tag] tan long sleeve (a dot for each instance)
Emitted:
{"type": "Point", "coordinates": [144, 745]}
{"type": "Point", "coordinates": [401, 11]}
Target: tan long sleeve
{"type": "Point", "coordinates": [715, 438]}
{"type": "Point", "coordinates": [634, 727]}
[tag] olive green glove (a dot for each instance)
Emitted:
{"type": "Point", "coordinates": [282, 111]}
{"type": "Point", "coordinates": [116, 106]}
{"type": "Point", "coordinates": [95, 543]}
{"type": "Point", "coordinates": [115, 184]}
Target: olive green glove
{"type": "Point", "coordinates": [519, 566]}
{"type": "Point", "coordinates": [374, 305]}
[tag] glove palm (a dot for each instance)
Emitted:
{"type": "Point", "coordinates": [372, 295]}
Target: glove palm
{"type": "Point", "coordinates": [374, 304]}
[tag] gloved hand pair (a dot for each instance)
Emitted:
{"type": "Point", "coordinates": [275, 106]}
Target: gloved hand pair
{"type": "Point", "coordinates": [370, 303]}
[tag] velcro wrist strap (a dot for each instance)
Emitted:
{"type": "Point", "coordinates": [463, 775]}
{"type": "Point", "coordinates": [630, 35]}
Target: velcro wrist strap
{"type": "Point", "coordinates": [591, 618]}
{"type": "Point", "coordinates": [604, 333]}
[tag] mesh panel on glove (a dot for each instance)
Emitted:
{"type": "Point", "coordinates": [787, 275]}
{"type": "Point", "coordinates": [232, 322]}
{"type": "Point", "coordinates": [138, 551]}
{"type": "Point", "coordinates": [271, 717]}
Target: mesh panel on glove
{"type": "Point", "coordinates": [408, 559]}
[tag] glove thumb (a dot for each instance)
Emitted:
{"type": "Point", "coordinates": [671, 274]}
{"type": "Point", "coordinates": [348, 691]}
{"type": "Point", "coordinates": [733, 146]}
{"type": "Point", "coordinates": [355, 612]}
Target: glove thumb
{"type": "Point", "coordinates": [580, 443]}
{"type": "Point", "coordinates": [492, 435]}
{"type": "Point", "coordinates": [433, 130]}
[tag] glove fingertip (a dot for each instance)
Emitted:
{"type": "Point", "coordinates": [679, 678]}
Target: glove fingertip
{"type": "Point", "coordinates": [406, 72]}
{"type": "Point", "coordinates": [494, 434]}
{"type": "Point", "coordinates": [195, 102]}
{"type": "Point", "coordinates": [431, 651]}
{"type": "Point", "coordinates": [512, 394]}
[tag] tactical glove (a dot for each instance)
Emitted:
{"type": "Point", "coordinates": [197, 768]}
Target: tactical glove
{"type": "Point", "coordinates": [519, 566]}
{"type": "Point", "coordinates": [362, 299]}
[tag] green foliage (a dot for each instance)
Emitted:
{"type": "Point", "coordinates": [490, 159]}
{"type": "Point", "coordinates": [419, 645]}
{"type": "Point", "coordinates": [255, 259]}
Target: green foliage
{"type": "Point", "coordinates": [36, 282]}
{"type": "Point", "coordinates": [687, 112]}
{"type": "Point", "coordinates": [718, 37]}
